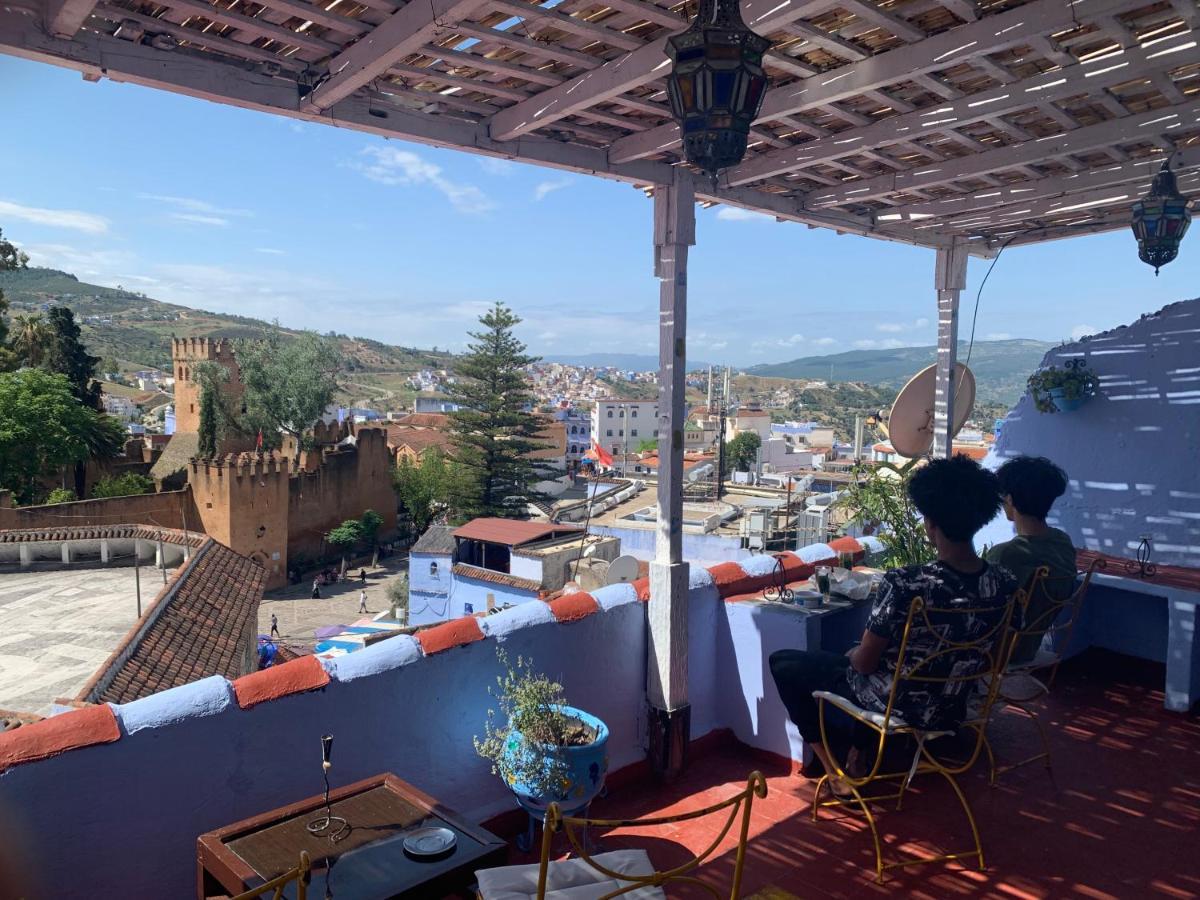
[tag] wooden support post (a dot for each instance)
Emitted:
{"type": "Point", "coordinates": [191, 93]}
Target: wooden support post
{"type": "Point", "coordinates": [950, 278]}
{"type": "Point", "coordinates": [670, 713]}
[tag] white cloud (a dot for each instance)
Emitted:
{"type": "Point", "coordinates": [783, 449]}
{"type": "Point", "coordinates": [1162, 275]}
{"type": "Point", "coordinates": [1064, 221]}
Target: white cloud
{"type": "Point", "coordinates": [998, 336]}
{"type": "Point", "coordinates": [107, 264]}
{"type": "Point", "coordinates": [54, 218]}
{"type": "Point", "coordinates": [737, 214]}
{"type": "Point", "coordinates": [270, 251]}
{"type": "Point", "coordinates": [899, 327]}
{"type": "Point", "coordinates": [549, 187]}
{"type": "Point", "coordinates": [825, 342]}
{"type": "Point", "coordinates": [190, 209]}
{"type": "Point", "coordinates": [494, 166]}
{"type": "Point", "coordinates": [197, 219]}
{"type": "Point", "coordinates": [1081, 331]}
{"type": "Point", "coordinates": [885, 344]}
{"type": "Point", "coordinates": [403, 168]}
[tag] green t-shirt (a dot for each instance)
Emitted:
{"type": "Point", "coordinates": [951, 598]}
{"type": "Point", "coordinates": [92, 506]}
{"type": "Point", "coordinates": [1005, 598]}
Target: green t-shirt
{"type": "Point", "coordinates": [1022, 556]}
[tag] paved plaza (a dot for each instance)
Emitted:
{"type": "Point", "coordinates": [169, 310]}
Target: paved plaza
{"type": "Point", "coordinates": [298, 614]}
{"type": "Point", "coordinates": [58, 627]}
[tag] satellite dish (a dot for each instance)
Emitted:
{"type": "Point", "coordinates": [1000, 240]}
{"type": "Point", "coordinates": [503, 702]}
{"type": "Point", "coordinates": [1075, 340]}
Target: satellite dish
{"type": "Point", "coordinates": [622, 569]}
{"type": "Point", "coordinates": [910, 425]}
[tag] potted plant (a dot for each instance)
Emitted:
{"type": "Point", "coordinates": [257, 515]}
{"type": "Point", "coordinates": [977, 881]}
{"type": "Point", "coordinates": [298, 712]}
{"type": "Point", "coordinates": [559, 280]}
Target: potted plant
{"type": "Point", "coordinates": [1063, 390]}
{"type": "Point", "coordinates": [545, 750]}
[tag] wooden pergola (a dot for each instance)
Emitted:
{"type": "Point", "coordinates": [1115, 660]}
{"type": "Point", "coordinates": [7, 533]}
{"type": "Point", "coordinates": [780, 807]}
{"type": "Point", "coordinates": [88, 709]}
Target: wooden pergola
{"type": "Point", "coordinates": [960, 125]}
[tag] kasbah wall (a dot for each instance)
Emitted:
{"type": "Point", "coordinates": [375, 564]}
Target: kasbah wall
{"type": "Point", "coordinates": [254, 503]}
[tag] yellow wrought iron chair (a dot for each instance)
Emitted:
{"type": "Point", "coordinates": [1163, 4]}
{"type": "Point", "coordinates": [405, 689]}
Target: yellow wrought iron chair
{"type": "Point", "coordinates": [623, 873]}
{"type": "Point", "coordinates": [300, 875]}
{"type": "Point", "coordinates": [989, 653]}
{"type": "Point", "coordinates": [1051, 612]}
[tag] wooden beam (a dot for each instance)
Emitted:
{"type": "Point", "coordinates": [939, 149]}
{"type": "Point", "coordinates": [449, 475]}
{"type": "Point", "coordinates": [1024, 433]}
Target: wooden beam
{"type": "Point", "coordinates": [318, 16]}
{"type": "Point", "coordinates": [101, 55]}
{"type": "Point", "coordinates": [985, 106]}
{"type": "Point", "coordinates": [958, 45]}
{"type": "Point", "coordinates": [483, 64]}
{"type": "Point", "coordinates": [65, 17]}
{"type": "Point", "coordinates": [627, 72]}
{"type": "Point", "coordinates": [536, 17]}
{"type": "Point", "coordinates": [404, 32]}
{"type": "Point", "coordinates": [257, 27]}
{"type": "Point", "coordinates": [827, 41]}
{"type": "Point", "coordinates": [967, 10]}
{"type": "Point", "coordinates": [1128, 130]}
{"type": "Point", "coordinates": [540, 49]}
{"type": "Point", "coordinates": [889, 21]}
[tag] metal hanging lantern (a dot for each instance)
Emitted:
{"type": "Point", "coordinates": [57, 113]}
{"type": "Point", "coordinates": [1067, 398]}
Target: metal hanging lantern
{"type": "Point", "coordinates": [716, 85]}
{"type": "Point", "coordinates": [1160, 220]}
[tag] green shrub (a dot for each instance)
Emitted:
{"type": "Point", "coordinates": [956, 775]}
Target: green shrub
{"type": "Point", "coordinates": [122, 486]}
{"type": "Point", "coordinates": [61, 495]}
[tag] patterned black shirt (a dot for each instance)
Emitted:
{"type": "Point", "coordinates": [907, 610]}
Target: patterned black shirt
{"type": "Point", "coordinates": [932, 705]}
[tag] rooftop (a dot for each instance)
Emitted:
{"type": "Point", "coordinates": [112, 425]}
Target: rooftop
{"type": "Point", "coordinates": [512, 532]}
{"type": "Point", "coordinates": [437, 539]}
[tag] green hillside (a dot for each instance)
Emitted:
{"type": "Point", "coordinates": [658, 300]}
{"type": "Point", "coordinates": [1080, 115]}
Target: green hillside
{"type": "Point", "coordinates": [135, 330]}
{"type": "Point", "coordinates": [1000, 367]}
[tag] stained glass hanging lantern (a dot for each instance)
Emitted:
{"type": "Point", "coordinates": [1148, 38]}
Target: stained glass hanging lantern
{"type": "Point", "coordinates": [1160, 220]}
{"type": "Point", "coordinates": [716, 85]}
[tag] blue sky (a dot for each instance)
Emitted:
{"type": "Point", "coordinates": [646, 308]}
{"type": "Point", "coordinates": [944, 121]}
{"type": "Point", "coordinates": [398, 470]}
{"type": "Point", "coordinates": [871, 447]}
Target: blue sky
{"type": "Point", "coordinates": [236, 211]}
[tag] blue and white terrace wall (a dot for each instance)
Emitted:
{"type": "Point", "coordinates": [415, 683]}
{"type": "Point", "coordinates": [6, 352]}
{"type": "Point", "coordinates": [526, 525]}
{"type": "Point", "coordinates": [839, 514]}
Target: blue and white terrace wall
{"type": "Point", "coordinates": [124, 791]}
{"type": "Point", "coordinates": [1133, 452]}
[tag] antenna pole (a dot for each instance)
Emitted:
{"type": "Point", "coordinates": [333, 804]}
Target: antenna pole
{"type": "Point", "coordinates": [950, 277]}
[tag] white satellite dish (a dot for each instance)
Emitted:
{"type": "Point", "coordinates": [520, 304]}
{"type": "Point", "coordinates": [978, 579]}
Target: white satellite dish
{"type": "Point", "coordinates": [910, 425]}
{"type": "Point", "coordinates": [622, 569]}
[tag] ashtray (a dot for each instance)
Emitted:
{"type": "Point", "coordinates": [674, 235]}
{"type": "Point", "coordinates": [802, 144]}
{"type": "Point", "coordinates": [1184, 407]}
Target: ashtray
{"type": "Point", "coordinates": [430, 840]}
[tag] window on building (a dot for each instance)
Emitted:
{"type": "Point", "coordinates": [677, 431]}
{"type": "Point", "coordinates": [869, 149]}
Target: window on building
{"type": "Point", "coordinates": [616, 448]}
{"type": "Point", "coordinates": [656, 432]}
{"type": "Point", "coordinates": [609, 433]}
{"type": "Point", "coordinates": [574, 429]}
{"type": "Point", "coordinates": [621, 432]}
{"type": "Point", "coordinates": [633, 433]}
{"type": "Point", "coordinates": [610, 413]}
{"type": "Point", "coordinates": [633, 412]}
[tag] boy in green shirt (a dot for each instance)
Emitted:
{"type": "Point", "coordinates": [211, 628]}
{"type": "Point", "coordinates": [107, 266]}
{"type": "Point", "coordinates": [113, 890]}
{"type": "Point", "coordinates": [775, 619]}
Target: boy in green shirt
{"type": "Point", "coordinates": [1029, 486]}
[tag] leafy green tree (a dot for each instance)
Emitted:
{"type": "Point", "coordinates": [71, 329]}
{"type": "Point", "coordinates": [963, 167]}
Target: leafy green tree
{"type": "Point", "coordinates": [344, 537]}
{"type": "Point", "coordinates": [877, 500]}
{"type": "Point", "coordinates": [493, 431]}
{"type": "Point", "coordinates": [741, 453]}
{"type": "Point", "coordinates": [43, 428]}
{"type": "Point", "coordinates": [122, 486]}
{"type": "Point", "coordinates": [32, 338]}
{"type": "Point", "coordinates": [397, 594]}
{"type": "Point", "coordinates": [370, 522]}
{"type": "Point", "coordinates": [11, 259]}
{"type": "Point", "coordinates": [61, 495]}
{"type": "Point", "coordinates": [289, 384]}
{"type": "Point", "coordinates": [424, 488]}
{"type": "Point", "coordinates": [67, 355]}
{"type": "Point", "coordinates": [647, 445]}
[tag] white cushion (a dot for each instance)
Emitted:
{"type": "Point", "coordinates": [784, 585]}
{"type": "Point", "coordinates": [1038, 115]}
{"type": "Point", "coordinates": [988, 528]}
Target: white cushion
{"type": "Point", "coordinates": [569, 879]}
{"type": "Point", "coordinates": [895, 723]}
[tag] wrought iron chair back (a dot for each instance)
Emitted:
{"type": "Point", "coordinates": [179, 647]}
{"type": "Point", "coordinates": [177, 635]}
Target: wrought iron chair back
{"type": "Point", "coordinates": [975, 667]}
{"type": "Point", "coordinates": [1051, 610]}
{"type": "Point", "coordinates": [300, 875]}
{"type": "Point", "coordinates": [736, 810]}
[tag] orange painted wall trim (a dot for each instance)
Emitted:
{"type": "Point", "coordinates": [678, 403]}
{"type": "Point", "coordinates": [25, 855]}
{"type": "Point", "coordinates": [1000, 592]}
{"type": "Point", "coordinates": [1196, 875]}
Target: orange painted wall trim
{"type": "Point", "coordinates": [450, 634]}
{"type": "Point", "coordinates": [68, 731]}
{"type": "Point", "coordinates": [294, 677]}
{"type": "Point", "coordinates": [573, 607]}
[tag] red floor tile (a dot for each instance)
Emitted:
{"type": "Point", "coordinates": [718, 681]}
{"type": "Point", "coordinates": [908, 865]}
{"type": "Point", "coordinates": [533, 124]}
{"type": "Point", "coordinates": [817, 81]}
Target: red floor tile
{"type": "Point", "coordinates": [1121, 822]}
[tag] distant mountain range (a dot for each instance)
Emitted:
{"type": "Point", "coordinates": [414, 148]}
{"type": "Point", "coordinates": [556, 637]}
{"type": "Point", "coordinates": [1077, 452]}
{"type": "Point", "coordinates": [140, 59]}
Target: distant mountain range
{"type": "Point", "coordinates": [626, 362]}
{"type": "Point", "coordinates": [1000, 367]}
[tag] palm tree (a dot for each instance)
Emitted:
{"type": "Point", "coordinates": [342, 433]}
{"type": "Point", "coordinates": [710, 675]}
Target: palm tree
{"type": "Point", "coordinates": [31, 338]}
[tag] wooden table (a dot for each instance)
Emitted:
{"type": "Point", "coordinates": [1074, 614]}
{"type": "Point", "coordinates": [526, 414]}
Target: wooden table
{"type": "Point", "coordinates": [369, 863]}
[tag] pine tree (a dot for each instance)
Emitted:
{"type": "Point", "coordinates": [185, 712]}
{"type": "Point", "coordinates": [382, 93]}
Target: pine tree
{"type": "Point", "coordinates": [494, 431]}
{"type": "Point", "coordinates": [67, 356]}
{"type": "Point", "coordinates": [207, 448]}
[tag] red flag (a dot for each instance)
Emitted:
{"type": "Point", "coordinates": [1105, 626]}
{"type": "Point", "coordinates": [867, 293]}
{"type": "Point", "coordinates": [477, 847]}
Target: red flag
{"type": "Point", "coordinates": [258, 443]}
{"type": "Point", "coordinates": [601, 455]}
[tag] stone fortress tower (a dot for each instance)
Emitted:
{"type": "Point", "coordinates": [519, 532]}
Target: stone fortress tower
{"type": "Point", "coordinates": [186, 353]}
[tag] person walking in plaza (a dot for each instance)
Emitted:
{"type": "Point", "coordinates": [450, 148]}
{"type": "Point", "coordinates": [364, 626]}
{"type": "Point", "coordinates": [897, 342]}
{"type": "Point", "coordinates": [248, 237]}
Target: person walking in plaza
{"type": "Point", "coordinates": [274, 626]}
{"type": "Point", "coordinates": [362, 601]}
{"type": "Point", "coordinates": [316, 591]}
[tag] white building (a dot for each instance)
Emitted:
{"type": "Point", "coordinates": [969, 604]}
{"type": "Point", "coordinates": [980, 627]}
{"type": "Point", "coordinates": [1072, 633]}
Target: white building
{"type": "Point", "coordinates": [120, 407]}
{"type": "Point", "coordinates": [619, 426]}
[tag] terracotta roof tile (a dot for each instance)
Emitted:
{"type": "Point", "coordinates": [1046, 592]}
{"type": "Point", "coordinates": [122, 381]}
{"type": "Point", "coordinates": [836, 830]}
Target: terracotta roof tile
{"type": "Point", "coordinates": [522, 584]}
{"type": "Point", "coordinates": [512, 532]}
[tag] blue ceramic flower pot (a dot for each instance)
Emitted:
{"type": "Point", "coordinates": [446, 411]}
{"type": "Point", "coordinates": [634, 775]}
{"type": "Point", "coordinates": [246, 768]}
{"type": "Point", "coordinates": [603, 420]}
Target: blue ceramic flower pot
{"type": "Point", "coordinates": [586, 766]}
{"type": "Point", "coordinates": [1063, 403]}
